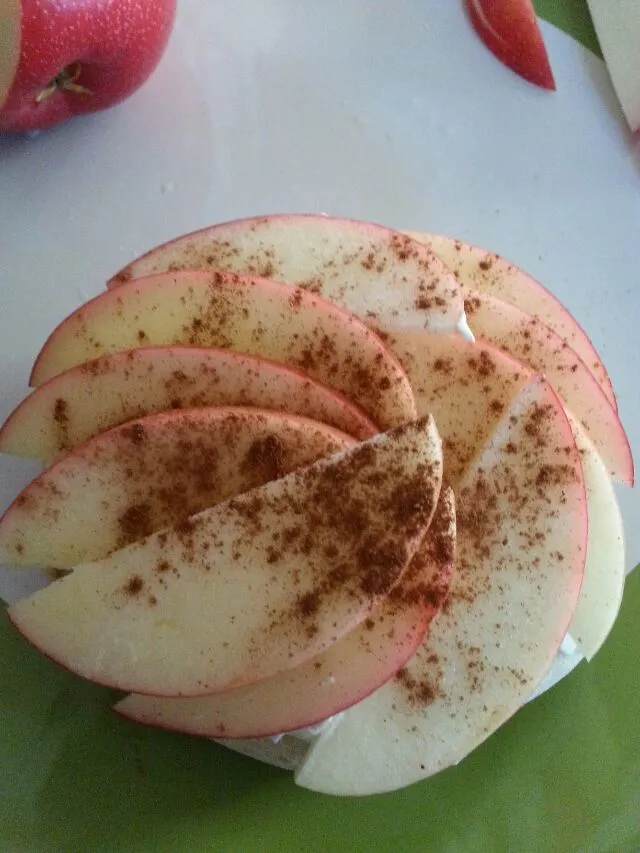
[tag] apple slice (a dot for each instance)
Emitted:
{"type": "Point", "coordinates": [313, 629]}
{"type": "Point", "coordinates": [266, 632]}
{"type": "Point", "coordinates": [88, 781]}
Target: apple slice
{"type": "Point", "coordinates": [77, 404]}
{"type": "Point", "coordinates": [9, 45]}
{"type": "Point", "coordinates": [522, 530]}
{"type": "Point", "coordinates": [482, 270]}
{"type": "Point", "coordinates": [618, 28]}
{"type": "Point", "coordinates": [344, 674]}
{"type": "Point", "coordinates": [509, 28]}
{"type": "Point", "coordinates": [253, 586]}
{"type": "Point", "coordinates": [604, 573]}
{"type": "Point", "coordinates": [538, 346]}
{"type": "Point", "coordinates": [150, 473]}
{"type": "Point", "coordinates": [467, 387]}
{"type": "Point", "coordinates": [369, 270]}
{"type": "Point", "coordinates": [241, 313]}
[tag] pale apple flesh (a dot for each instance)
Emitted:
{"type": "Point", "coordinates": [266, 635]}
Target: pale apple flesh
{"type": "Point", "coordinates": [371, 271]}
{"type": "Point", "coordinates": [538, 346]}
{"type": "Point", "coordinates": [604, 571]}
{"type": "Point", "coordinates": [9, 45]}
{"type": "Point", "coordinates": [603, 584]}
{"type": "Point", "coordinates": [467, 387]}
{"type": "Point", "coordinates": [150, 473]}
{"type": "Point", "coordinates": [83, 401]}
{"type": "Point", "coordinates": [344, 674]}
{"type": "Point", "coordinates": [241, 313]}
{"type": "Point", "coordinates": [253, 586]}
{"type": "Point", "coordinates": [439, 380]}
{"type": "Point", "coordinates": [480, 269]}
{"type": "Point", "coordinates": [522, 530]}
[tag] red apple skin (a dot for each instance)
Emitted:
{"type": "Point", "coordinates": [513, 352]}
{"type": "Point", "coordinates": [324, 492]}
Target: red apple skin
{"type": "Point", "coordinates": [109, 49]}
{"type": "Point", "coordinates": [509, 28]}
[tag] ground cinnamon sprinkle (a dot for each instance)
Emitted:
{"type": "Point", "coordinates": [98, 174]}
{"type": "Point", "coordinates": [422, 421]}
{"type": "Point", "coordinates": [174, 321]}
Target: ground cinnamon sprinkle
{"type": "Point", "coordinates": [438, 553]}
{"type": "Point", "coordinates": [171, 475]}
{"type": "Point", "coordinates": [419, 692]}
{"type": "Point", "coordinates": [223, 312]}
{"type": "Point", "coordinates": [309, 603]}
{"type": "Point", "coordinates": [376, 555]}
{"type": "Point", "coordinates": [443, 365]}
{"type": "Point", "coordinates": [135, 523]}
{"type": "Point", "coordinates": [135, 432]}
{"type": "Point", "coordinates": [134, 586]}
{"type": "Point", "coordinates": [266, 455]}
{"type": "Point", "coordinates": [61, 411]}
{"type": "Point", "coordinates": [61, 419]}
{"type": "Point", "coordinates": [363, 555]}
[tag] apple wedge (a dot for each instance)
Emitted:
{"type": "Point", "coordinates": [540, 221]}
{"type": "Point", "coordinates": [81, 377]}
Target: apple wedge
{"type": "Point", "coordinates": [344, 674]}
{"type": "Point", "coordinates": [538, 346]}
{"type": "Point", "coordinates": [603, 585]}
{"type": "Point", "coordinates": [618, 28]}
{"type": "Point", "coordinates": [369, 270]}
{"type": "Point", "coordinates": [522, 530]}
{"type": "Point", "coordinates": [604, 572]}
{"type": "Point", "coordinates": [150, 473]}
{"type": "Point", "coordinates": [241, 313]}
{"type": "Point", "coordinates": [510, 29]}
{"type": "Point", "coordinates": [253, 586]}
{"type": "Point", "coordinates": [467, 387]}
{"type": "Point", "coordinates": [77, 404]}
{"type": "Point", "coordinates": [480, 269]}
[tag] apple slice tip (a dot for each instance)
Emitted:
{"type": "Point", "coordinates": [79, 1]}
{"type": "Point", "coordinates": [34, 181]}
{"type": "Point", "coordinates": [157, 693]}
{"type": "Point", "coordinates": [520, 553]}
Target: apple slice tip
{"type": "Point", "coordinates": [510, 30]}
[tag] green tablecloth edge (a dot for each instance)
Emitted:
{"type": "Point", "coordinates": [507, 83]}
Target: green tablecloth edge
{"type": "Point", "coordinates": [573, 17]}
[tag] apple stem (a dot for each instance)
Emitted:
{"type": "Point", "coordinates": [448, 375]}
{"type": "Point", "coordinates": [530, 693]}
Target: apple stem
{"type": "Point", "coordinates": [65, 80]}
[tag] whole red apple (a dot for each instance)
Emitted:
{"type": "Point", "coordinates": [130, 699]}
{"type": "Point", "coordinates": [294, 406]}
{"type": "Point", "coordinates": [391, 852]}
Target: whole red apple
{"type": "Point", "coordinates": [59, 58]}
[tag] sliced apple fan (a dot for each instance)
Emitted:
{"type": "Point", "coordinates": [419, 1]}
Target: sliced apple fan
{"type": "Point", "coordinates": [247, 438]}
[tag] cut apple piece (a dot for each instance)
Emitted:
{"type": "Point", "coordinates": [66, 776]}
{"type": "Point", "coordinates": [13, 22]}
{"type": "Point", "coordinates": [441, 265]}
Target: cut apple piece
{"type": "Point", "coordinates": [522, 530]}
{"type": "Point", "coordinates": [510, 29]}
{"type": "Point", "coordinates": [467, 387]}
{"type": "Point", "coordinates": [79, 403]}
{"type": "Point", "coordinates": [10, 17]}
{"type": "Point", "coordinates": [253, 586]}
{"type": "Point", "coordinates": [344, 674]}
{"type": "Point", "coordinates": [241, 313]}
{"type": "Point", "coordinates": [479, 269]}
{"type": "Point", "coordinates": [538, 346]}
{"type": "Point", "coordinates": [603, 584]}
{"type": "Point", "coordinates": [369, 270]}
{"type": "Point", "coordinates": [150, 473]}
{"type": "Point", "coordinates": [618, 28]}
